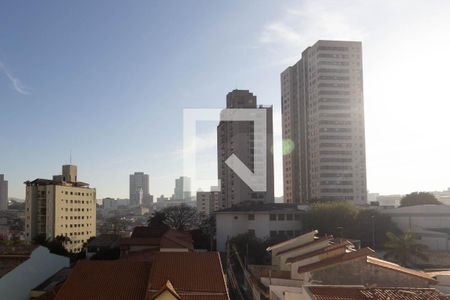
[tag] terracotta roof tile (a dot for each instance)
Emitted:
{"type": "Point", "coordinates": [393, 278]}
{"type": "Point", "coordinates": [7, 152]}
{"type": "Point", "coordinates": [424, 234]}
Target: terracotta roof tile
{"type": "Point", "coordinates": [106, 280]}
{"type": "Point", "coordinates": [361, 293]}
{"type": "Point", "coordinates": [146, 255]}
{"type": "Point", "coordinates": [188, 271]}
{"type": "Point", "coordinates": [146, 231]}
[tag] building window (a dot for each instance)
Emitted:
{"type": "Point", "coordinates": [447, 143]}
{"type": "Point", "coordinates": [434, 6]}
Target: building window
{"type": "Point", "coordinates": [272, 217]}
{"type": "Point", "coordinates": [251, 217]}
{"type": "Point", "coordinates": [251, 231]}
{"type": "Point", "coordinates": [289, 233]}
{"type": "Point", "coordinates": [297, 217]}
{"type": "Point", "coordinates": [281, 217]}
{"type": "Point", "coordinates": [289, 217]}
{"type": "Point", "coordinates": [273, 233]}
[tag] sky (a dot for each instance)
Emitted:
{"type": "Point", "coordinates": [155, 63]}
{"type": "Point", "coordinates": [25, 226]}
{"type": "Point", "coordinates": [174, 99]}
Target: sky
{"type": "Point", "coordinates": [108, 81]}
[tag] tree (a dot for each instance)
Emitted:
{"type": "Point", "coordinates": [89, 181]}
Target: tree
{"type": "Point", "coordinates": [251, 249]}
{"type": "Point", "coordinates": [180, 217]}
{"type": "Point", "coordinates": [370, 228]}
{"type": "Point", "coordinates": [344, 219]}
{"type": "Point", "coordinates": [419, 198]}
{"type": "Point", "coordinates": [334, 217]}
{"type": "Point", "coordinates": [54, 245]}
{"type": "Point", "coordinates": [157, 219]}
{"type": "Point", "coordinates": [402, 248]}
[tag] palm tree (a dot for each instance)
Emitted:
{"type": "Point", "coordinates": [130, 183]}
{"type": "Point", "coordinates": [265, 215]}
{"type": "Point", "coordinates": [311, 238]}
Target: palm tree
{"type": "Point", "coordinates": [402, 248]}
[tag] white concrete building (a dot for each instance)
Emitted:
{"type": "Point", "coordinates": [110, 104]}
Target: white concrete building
{"type": "Point", "coordinates": [17, 283]}
{"type": "Point", "coordinates": [3, 193]}
{"type": "Point", "coordinates": [263, 220]}
{"type": "Point", "coordinates": [431, 223]}
{"type": "Point", "coordinates": [323, 124]}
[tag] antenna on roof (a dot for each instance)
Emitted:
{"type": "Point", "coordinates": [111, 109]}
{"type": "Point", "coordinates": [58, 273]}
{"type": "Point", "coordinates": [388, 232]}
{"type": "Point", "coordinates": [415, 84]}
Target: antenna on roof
{"type": "Point", "coordinates": [70, 157]}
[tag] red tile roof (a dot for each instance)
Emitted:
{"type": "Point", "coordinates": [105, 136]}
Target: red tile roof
{"type": "Point", "coordinates": [188, 271]}
{"type": "Point", "coordinates": [146, 255]}
{"type": "Point", "coordinates": [194, 276]}
{"type": "Point", "coordinates": [361, 293]}
{"type": "Point", "coordinates": [146, 231]}
{"type": "Point", "coordinates": [161, 238]}
{"type": "Point", "coordinates": [106, 280]}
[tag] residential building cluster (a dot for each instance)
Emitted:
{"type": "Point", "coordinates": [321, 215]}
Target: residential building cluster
{"type": "Point", "coordinates": [308, 266]}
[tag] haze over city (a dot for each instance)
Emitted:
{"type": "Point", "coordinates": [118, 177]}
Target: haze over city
{"type": "Point", "coordinates": [110, 86]}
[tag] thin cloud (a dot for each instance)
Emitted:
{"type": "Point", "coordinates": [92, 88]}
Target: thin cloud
{"type": "Point", "coordinates": [17, 85]}
{"type": "Point", "coordinates": [301, 26]}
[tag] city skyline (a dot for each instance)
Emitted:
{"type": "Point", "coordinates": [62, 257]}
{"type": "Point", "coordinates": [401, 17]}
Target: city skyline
{"type": "Point", "coordinates": [111, 102]}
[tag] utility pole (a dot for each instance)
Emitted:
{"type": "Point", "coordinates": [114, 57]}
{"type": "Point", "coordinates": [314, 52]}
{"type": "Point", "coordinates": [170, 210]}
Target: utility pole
{"type": "Point", "coordinates": [373, 232]}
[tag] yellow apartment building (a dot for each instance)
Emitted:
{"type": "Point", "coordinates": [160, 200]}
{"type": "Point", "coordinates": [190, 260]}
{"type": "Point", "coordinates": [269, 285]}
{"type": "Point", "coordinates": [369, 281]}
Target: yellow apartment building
{"type": "Point", "coordinates": [62, 206]}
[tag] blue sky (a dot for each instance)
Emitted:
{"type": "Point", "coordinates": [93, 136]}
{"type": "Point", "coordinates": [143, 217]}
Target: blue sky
{"type": "Point", "coordinates": [108, 80]}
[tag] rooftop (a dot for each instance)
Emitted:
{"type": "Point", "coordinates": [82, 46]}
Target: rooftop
{"type": "Point", "coordinates": [105, 240]}
{"type": "Point", "coordinates": [362, 293]}
{"type": "Point", "coordinates": [106, 280]}
{"type": "Point", "coordinates": [192, 275]}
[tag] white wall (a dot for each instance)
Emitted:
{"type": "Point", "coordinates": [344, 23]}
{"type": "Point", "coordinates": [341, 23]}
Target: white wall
{"type": "Point", "coordinates": [419, 219]}
{"type": "Point", "coordinates": [232, 224]}
{"type": "Point", "coordinates": [17, 284]}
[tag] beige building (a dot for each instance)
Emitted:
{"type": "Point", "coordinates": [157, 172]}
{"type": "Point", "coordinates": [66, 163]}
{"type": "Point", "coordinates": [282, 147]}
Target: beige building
{"type": "Point", "coordinates": [62, 206]}
{"type": "Point", "coordinates": [209, 202]}
{"type": "Point", "coordinates": [237, 137]}
{"type": "Point", "coordinates": [323, 124]}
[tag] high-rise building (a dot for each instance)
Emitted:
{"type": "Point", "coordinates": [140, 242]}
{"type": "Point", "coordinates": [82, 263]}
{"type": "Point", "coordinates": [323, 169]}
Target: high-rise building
{"type": "Point", "coordinates": [209, 202]}
{"type": "Point", "coordinates": [139, 188]}
{"type": "Point", "coordinates": [323, 124]}
{"type": "Point", "coordinates": [237, 137]}
{"type": "Point", "coordinates": [62, 206]}
{"type": "Point", "coordinates": [182, 190]}
{"type": "Point", "coordinates": [3, 193]}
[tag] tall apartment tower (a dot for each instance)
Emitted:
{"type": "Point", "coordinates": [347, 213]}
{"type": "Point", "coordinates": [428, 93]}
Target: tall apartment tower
{"type": "Point", "coordinates": [3, 193]}
{"type": "Point", "coordinates": [182, 190]}
{"type": "Point", "coordinates": [237, 137]}
{"type": "Point", "coordinates": [62, 206]}
{"type": "Point", "coordinates": [323, 124]}
{"type": "Point", "coordinates": [139, 188]}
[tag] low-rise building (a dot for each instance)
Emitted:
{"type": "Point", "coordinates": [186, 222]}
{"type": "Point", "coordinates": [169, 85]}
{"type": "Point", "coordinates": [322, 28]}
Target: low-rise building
{"type": "Point", "coordinates": [310, 260]}
{"type": "Point", "coordinates": [170, 276]}
{"type": "Point", "coordinates": [145, 242]}
{"type": "Point", "coordinates": [430, 223]}
{"type": "Point", "coordinates": [368, 293]}
{"type": "Point", "coordinates": [261, 219]}
{"type": "Point", "coordinates": [23, 268]}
